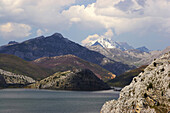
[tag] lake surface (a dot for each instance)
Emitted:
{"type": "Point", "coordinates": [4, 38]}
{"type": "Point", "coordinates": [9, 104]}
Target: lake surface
{"type": "Point", "coordinates": [50, 101]}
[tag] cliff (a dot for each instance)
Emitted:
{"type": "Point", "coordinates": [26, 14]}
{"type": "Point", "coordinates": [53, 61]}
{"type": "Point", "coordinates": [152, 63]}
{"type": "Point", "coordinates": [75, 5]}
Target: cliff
{"type": "Point", "coordinates": [9, 78]}
{"type": "Point", "coordinates": [82, 79]}
{"type": "Point", "coordinates": [149, 92]}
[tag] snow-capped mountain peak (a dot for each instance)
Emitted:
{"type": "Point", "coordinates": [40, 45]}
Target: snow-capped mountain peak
{"type": "Point", "coordinates": [109, 43]}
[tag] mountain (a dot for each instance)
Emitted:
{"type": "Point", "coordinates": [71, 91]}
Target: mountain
{"type": "Point", "coordinates": [19, 66]}
{"type": "Point", "coordinates": [115, 54]}
{"type": "Point", "coordinates": [126, 78]}
{"type": "Point", "coordinates": [132, 56]}
{"type": "Point", "coordinates": [81, 80]}
{"type": "Point", "coordinates": [109, 43]}
{"type": "Point", "coordinates": [56, 45]}
{"type": "Point", "coordinates": [146, 58]}
{"type": "Point", "coordinates": [149, 92]}
{"type": "Point", "coordinates": [71, 62]}
{"type": "Point", "coordinates": [143, 49]}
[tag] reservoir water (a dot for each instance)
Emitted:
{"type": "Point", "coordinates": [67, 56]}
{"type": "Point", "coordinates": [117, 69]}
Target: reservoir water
{"type": "Point", "coordinates": [51, 101]}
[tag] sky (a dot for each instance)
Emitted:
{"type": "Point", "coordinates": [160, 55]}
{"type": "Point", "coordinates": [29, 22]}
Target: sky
{"type": "Point", "coordinates": [137, 22]}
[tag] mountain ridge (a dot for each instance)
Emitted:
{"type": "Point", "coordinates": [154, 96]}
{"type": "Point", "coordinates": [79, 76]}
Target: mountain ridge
{"type": "Point", "coordinates": [56, 45]}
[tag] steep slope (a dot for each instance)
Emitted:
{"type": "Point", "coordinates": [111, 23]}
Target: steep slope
{"type": "Point", "coordinates": [146, 58]}
{"type": "Point", "coordinates": [71, 62]}
{"type": "Point", "coordinates": [2, 82]}
{"type": "Point", "coordinates": [143, 49]}
{"type": "Point", "coordinates": [109, 43]}
{"type": "Point", "coordinates": [17, 65]}
{"type": "Point", "coordinates": [14, 79]}
{"type": "Point", "coordinates": [83, 80]}
{"type": "Point", "coordinates": [149, 92]}
{"type": "Point", "coordinates": [56, 45]}
{"type": "Point", "coordinates": [126, 78]}
{"type": "Point", "coordinates": [115, 54]}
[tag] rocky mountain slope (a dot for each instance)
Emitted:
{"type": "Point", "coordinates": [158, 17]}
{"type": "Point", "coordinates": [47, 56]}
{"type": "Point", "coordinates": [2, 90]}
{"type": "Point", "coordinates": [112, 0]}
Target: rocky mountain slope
{"type": "Point", "coordinates": [115, 54]}
{"type": "Point", "coordinates": [109, 43]}
{"type": "Point", "coordinates": [19, 66]}
{"type": "Point", "coordinates": [71, 62]}
{"type": "Point", "coordinates": [149, 92]}
{"type": "Point", "coordinates": [8, 78]}
{"type": "Point", "coordinates": [56, 45]}
{"type": "Point", "coordinates": [138, 57]}
{"type": "Point", "coordinates": [78, 80]}
{"type": "Point", "coordinates": [143, 49]}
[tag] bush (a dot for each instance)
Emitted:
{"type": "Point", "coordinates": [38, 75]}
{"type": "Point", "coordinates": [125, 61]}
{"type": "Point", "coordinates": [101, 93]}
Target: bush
{"type": "Point", "coordinates": [150, 86]}
{"type": "Point", "coordinates": [145, 95]}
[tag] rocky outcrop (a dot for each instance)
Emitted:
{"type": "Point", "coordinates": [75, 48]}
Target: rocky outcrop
{"type": "Point", "coordinates": [2, 82]}
{"type": "Point", "coordinates": [149, 92]}
{"type": "Point", "coordinates": [81, 80]}
{"type": "Point", "coordinates": [11, 78]}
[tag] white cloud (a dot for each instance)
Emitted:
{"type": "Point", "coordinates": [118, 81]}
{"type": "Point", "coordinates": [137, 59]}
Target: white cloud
{"type": "Point", "coordinates": [14, 30]}
{"type": "Point", "coordinates": [92, 38]}
{"type": "Point", "coordinates": [38, 13]}
{"type": "Point", "coordinates": [121, 15]}
{"type": "Point", "coordinates": [124, 15]}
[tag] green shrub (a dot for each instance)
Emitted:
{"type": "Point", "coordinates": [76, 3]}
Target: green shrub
{"type": "Point", "coordinates": [145, 95]}
{"type": "Point", "coordinates": [150, 86]}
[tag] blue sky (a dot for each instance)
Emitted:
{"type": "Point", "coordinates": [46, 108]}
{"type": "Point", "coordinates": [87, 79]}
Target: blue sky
{"type": "Point", "coordinates": [137, 22]}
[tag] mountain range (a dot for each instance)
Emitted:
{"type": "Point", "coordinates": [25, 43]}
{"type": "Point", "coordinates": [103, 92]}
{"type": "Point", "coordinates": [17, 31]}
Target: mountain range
{"type": "Point", "coordinates": [122, 52]}
{"type": "Point", "coordinates": [56, 45]}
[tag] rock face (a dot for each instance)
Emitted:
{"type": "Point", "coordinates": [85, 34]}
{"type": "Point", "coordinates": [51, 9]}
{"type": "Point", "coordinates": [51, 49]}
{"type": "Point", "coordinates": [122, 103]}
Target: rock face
{"type": "Point", "coordinates": [149, 92]}
{"type": "Point", "coordinates": [115, 54]}
{"type": "Point", "coordinates": [2, 82]}
{"type": "Point", "coordinates": [138, 57]}
{"type": "Point", "coordinates": [71, 62]}
{"type": "Point", "coordinates": [57, 45]}
{"type": "Point", "coordinates": [11, 78]}
{"type": "Point", "coordinates": [83, 80]}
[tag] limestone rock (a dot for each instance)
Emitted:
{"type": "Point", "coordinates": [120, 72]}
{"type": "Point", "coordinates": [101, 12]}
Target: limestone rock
{"type": "Point", "coordinates": [83, 79]}
{"type": "Point", "coordinates": [12, 78]}
{"type": "Point", "coordinates": [149, 92]}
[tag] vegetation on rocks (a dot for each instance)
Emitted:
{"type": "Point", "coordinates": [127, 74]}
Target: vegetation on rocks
{"type": "Point", "coordinates": [81, 80]}
{"type": "Point", "coordinates": [149, 92]}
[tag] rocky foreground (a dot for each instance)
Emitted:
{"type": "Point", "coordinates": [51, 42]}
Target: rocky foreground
{"type": "Point", "coordinates": [149, 92]}
{"type": "Point", "coordinates": [81, 80]}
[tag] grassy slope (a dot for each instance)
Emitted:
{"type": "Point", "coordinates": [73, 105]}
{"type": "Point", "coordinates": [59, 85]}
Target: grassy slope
{"type": "Point", "coordinates": [19, 66]}
{"type": "Point", "coordinates": [71, 62]}
{"type": "Point", "coordinates": [125, 78]}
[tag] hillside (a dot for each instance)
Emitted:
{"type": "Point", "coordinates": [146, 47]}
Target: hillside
{"type": "Point", "coordinates": [125, 78]}
{"type": "Point", "coordinates": [81, 80]}
{"type": "Point", "coordinates": [149, 92]}
{"type": "Point", "coordinates": [115, 54]}
{"type": "Point", "coordinates": [17, 65]}
{"type": "Point", "coordinates": [56, 45]}
{"type": "Point", "coordinates": [71, 62]}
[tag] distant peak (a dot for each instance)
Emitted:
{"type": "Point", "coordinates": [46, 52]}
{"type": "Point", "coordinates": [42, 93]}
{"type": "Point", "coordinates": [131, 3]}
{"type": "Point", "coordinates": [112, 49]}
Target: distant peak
{"type": "Point", "coordinates": [57, 35]}
{"type": "Point", "coordinates": [143, 49]}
